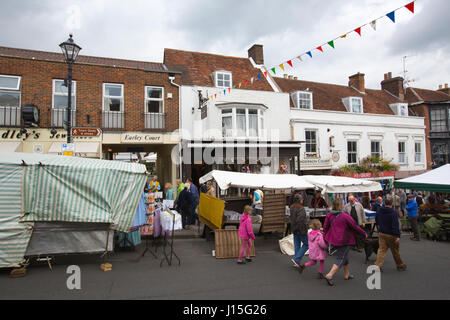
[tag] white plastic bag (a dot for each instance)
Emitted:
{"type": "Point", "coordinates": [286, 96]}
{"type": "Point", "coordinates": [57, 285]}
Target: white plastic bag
{"type": "Point", "coordinates": [287, 245]}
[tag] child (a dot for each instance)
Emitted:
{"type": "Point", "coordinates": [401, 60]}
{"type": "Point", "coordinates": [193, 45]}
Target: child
{"type": "Point", "coordinates": [317, 248]}
{"type": "Point", "coordinates": [246, 235]}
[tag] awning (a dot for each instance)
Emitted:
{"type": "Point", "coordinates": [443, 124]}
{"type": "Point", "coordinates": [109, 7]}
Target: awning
{"type": "Point", "coordinates": [82, 149]}
{"type": "Point", "coordinates": [337, 184]}
{"type": "Point", "coordinates": [11, 146]}
{"type": "Point", "coordinates": [437, 180]}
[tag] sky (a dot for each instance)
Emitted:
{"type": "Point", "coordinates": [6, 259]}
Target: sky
{"type": "Point", "coordinates": [141, 29]}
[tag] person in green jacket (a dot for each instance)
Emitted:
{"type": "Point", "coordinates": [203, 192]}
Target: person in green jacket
{"type": "Point", "coordinates": [180, 186]}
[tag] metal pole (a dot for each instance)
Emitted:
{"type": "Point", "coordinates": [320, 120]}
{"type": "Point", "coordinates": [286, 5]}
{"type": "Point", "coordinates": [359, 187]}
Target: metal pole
{"type": "Point", "coordinates": [69, 105]}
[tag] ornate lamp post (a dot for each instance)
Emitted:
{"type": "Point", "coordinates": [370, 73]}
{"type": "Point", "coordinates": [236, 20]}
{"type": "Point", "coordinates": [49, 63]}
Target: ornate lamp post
{"type": "Point", "coordinates": [70, 50]}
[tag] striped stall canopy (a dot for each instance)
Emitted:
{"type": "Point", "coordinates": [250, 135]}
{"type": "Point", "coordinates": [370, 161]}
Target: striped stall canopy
{"type": "Point", "coordinates": [14, 236]}
{"type": "Point", "coordinates": [61, 188]}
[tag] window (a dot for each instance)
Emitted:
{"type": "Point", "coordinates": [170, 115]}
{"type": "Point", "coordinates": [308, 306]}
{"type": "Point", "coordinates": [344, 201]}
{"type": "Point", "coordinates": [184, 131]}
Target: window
{"type": "Point", "coordinates": [112, 97]}
{"type": "Point", "coordinates": [356, 105]}
{"type": "Point", "coordinates": [418, 152]}
{"type": "Point", "coordinates": [352, 153]}
{"type": "Point", "coordinates": [60, 93]}
{"type": "Point", "coordinates": [403, 110]}
{"type": "Point", "coordinates": [311, 142]}
{"type": "Point", "coordinates": [242, 122]}
{"type": "Point", "coordinates": [10, 91]}
{"type": "Point", "coordinates": [154, 99]}
{"type": "Point", "coordinates": [223, 79]}
{"type": "Point", "coordinates": [401, 152]}
{"type": "Point", "coordinates": [302, 99]}
{"type": "Point", "coordinates": [438, 119]}
{"type": "Point", "coordinates": [375, 150]}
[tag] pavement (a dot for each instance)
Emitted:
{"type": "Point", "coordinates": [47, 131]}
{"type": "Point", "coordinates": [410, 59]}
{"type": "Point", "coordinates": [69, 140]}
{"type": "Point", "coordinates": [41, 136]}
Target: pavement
{"type": "Point", "coordinates": [201, 276]}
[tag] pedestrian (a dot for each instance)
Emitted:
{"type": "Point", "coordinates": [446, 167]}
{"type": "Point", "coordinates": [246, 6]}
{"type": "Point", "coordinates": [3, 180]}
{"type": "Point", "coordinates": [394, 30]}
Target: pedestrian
{"type": "Point", "coordinates": [154, 185]}
{"type": "Point", "coordinates": [299, 228]}
{"type": "Point", "coordinates": [388, 235]}
{"type": "Point", "coordinates": [411, 208]}
{"type": "Point", "coordinates": [378, 204]}
{"type": "Point", "coordinates": [317, 248]}
{"type": "Point", "coordinates": [170, 191]}
{"type": "Point", "coordinates": [196, 196]}
{"type": "Point", "coordinates": [403, 201]}
{"type": "Point", "coordinates": [356, 211]}
{"type": "Point", "coordinates": [210, 190]}
{"type": "Point", "coordinates": [419, 199]}
{"type": "Point", "coordinates": [185, 204]}
{"type": "Point", "coordinates": [318, 201]}
{"type": "Point", "coordinates": [180, 186]}
{"type": "Point", "coordinates": [397, 206]}
{"type": "Point", "coordinates": [340, 229]}
{"type": "Point", "coordinates": [246, 235]}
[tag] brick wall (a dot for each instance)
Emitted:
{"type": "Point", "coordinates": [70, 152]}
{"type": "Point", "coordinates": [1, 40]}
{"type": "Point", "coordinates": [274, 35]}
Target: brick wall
{"type": "Point", "coordinates": [422, 111]}
{"type": "Point", "coordinates": [36, 88]}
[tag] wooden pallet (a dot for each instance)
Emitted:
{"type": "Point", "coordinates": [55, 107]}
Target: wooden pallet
{"type": "Point", "coordinates": [227, 244]}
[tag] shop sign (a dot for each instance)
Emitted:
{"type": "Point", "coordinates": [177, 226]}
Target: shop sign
{"type": "Point", "coordinates": [14, 134]}
{"type": "Point", "coordinates": [307, 163]}
{"type": "Point", "coordinates": [68, 149]}
{"type": "Point", "coordinates": [366, 175]}
{"type": "Point", "coordinates": [86, 132]}
{"type": "Point", "coordinates": [141, 138]}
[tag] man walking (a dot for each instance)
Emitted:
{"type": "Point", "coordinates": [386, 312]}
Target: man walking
{"type": "Point", "coordinates": [403, 199]}
{"type": "Point", "coordinates": [356, 210]}
{"type": "Point", "coordinates": [389, 235]}
{"type": "Point", "coordinates": [411, 208]}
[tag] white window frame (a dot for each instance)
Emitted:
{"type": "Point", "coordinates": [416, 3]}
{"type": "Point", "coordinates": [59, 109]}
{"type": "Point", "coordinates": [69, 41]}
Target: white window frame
{"type": "Point", "coordinates": [18, 82]}
{"type": "Point", "coordinates": [233, 115]}
{"type": "Point", "coordinates": [223, 72]}
{"type": "Point", "coordinates": [353, 152]}
{"type": "Point", "coordinates": [351, 104]}
{"type": "Point", "coordinates": [316, 153]}
{"type": "Point", "coordinates": [297, 100]}
{"type": "Point", "coordinates": [74, 94]}
{"type": "Point", "coordinates": [371, 152]}
{"type": "Point", "coordinates": [122, 104]}
{"type": "Point", "coordinates": [400, 159]}
{"type": "Point", "coordinates": [418, 153]}
{"type": "Point", "coordinates": [147, 98]}
{"type": "Point", "coordinates": [402, 106]}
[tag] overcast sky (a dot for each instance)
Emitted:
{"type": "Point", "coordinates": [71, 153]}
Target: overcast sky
{"type": "Point", "coordinates": [141, 29]}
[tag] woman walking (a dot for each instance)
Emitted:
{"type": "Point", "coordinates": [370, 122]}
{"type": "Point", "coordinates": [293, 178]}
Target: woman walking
{"type": "Point", "coordinates": [340, 229]}
{"type": "Point", "coordinates": [299, 227]}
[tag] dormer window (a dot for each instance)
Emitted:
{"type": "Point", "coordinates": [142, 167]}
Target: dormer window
{"type": "Point", "coordinates": [353, 104]}
{"type": "Point", "coordinates": [223, 79]}
{"type": "Point", "coordinates": [302, 99]}
{"type": "Point", "coordinates": [400, 109]}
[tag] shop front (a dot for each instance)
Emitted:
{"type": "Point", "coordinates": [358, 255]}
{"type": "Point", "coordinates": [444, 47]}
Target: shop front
{"type": "Point", "coordinates": [48, 141]}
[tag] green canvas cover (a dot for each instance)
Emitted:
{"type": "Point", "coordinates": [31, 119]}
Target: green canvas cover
{"type": "Point", "coordinates": [63, 188]}
{"type": "Point", "coordinates": [432, 227]}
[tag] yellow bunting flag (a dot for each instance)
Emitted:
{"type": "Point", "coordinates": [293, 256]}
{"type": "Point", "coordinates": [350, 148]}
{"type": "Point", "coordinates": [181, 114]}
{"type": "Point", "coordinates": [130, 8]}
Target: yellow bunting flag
{"type": "Point", "coordinates": [281, 66]}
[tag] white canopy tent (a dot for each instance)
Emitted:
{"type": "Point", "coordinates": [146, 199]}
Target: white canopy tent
{"type": "Point", "coordinates": [328, 184]}
{"type": "Point", "coordinates": [437, 180]}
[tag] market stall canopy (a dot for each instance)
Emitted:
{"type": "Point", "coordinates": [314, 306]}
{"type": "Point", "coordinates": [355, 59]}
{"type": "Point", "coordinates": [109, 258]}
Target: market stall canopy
{"type": "Point", "coordinates": [40, 187]}
{"type": "Point", "coordinates": [437, 180]}
{"type": "Point", "coordinates": [338, 184]}
{"type": "Point", "coordinates": [227, 179]}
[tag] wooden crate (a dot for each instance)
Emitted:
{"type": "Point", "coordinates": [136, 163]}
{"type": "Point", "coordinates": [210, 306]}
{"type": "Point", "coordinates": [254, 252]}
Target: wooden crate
{"type": "Point", "coordinates": [274, 212]}
{"type": "Point", "coordinates": [227, 244]}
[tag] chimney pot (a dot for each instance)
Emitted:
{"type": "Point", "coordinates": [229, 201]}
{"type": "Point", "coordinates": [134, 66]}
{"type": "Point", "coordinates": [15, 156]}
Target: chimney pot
{"type": "Point", "coordinates": [446, 85]}
{"type": "Point", "coordinates": [291, 77]}
{"type": "Point", "coordinates": [389, 75]}
{"type": "Point", "coordinates": [256, 53]}
{"type": "Point", "coordinates": [285, 76]}
{"type": "Point", "coordinates": [295, 78]}
{"type": "Point", "coordinates": [440, 87]}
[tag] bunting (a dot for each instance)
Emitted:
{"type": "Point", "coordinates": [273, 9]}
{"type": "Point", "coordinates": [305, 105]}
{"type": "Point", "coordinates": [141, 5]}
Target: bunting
{"type": "Point", "coordinates": [331, 43]}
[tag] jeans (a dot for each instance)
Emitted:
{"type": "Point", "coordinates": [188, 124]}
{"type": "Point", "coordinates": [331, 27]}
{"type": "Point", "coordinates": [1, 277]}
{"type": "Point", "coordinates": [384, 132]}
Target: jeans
{"type": "Point", "coordinates": [300, 245]}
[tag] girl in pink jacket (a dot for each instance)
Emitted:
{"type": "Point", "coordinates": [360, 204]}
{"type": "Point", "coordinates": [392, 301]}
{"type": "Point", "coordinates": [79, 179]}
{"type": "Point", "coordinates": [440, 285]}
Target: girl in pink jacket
{"type": "Point", "coordinates": [317, 248]}
{"type": "Point", "coordinates": [246, 235]}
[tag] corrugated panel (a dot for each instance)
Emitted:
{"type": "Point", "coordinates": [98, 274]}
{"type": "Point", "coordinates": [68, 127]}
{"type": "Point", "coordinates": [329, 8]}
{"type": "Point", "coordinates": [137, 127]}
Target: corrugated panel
{"type": "Point", "coordinates": [227, 244]}
{"type": "Point", "coordinates": [14, 236]}
{"type": "Point", "coordinates": [274, 214]}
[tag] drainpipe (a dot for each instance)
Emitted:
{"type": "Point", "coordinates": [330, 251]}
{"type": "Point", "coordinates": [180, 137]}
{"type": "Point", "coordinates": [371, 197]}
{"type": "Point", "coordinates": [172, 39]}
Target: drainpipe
{"type": "Point", "coordinates": [171, 79]}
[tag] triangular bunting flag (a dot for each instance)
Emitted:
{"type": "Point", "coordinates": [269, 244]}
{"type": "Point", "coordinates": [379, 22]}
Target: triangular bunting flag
{"type": "Point", "coordinates": [211, 97]}
{"type": "Point", "coordinates": [281, 66]}
{"type": "Point", "coordinates": [373, 24]}
{"type": "Point", "coordinates": [240, 83]}
{"type": "Point", "coordinates": [224, 91]}
{"type": "Point", "coordinates": [251, 80]}
{"type": "Point", "coordinates": [309, 54]}
{"type": "Point", "coordinates": [331, 43]}
{"type": "Point", "coordinates": [343, 36]}
{"type": "Point", "coordinates": [245, 82]}
{"type": "Point", "coordinates": [234, 87]}
{"type": "Point", "coordinates": [259, 76]}
{"type": "Point", "coordinates": [300, 58]}
{"type": "Point", "coordinates": [215, 95]}
{"type": "Point", "coordinates": [319, 48]}
{"type": "Point", "coordinates": [391, 15]}
{"type": "Point", "coordinates": [410, 6]}
{"type": "Point", "coordinates": [273, 70]}
{"type": "Point", "coordinates": [229, 89]}
{"type": "Point", "coordinates": [290, 63]}
{"type": "Point", "coordinates": [265, 73]}
{"type": "Point", "coordinates": [358, 31]}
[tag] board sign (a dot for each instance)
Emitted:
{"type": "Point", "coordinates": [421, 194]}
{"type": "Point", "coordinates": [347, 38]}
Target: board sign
{"type": "Point", "coordinates": [68, 149]}
{"type": "Point", "coordinates": [86, 132]}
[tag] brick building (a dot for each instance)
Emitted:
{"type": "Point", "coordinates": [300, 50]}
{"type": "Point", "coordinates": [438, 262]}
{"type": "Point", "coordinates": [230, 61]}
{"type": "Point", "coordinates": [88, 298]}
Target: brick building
{"type": "Point", "coordinates": [134, 103]}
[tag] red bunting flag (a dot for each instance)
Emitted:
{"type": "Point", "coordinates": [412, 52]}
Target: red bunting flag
{"type": "Point", "coordinates": [290, 63]}
{"type": "Point", "coordinates": [319, 48]}
{"type": "Point", "coordinates": [265, 73]}
{"type": "Point", "coordinates": [245, 83]}
{"type": "Point", "coordinates": [358, 31]}
{"type": "Point", "coordinates": [215, 95]}
{"type": "Point", "coordinates": [229, 89]}
{"type": "Point", "coordinates": [410, 6]}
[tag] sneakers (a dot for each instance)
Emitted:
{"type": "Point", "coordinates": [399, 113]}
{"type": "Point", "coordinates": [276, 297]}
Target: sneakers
{"type": "Point", "coordinates": [248, 260]}
{"type": "Point", "coordinates": [241, 262]}
{"type": "Point", "coordinates": [296, 264]}
{"type": "Point", "coordinates": [301, 268]}
{"type": "Point", "coordinates": [320, 276]}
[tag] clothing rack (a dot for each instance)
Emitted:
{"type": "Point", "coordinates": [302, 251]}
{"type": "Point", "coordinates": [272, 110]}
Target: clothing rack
{"type": "Point", "coordinates": [167, 257]}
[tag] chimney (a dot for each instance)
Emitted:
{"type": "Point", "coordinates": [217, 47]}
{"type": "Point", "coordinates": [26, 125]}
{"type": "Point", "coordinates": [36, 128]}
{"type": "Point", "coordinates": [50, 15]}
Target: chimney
{"type": "Point", "coordinates": [295, 78]}
{"type": "Point", "coordinates": [446, 89]}
{"type": "Point", "coordinates": [285, 76]}
{"type": "Point", "coordinates": [290, 77]}
{"type": "Point", "coordinates": [393, 85]}
{"type": "Point", "coordinates": [357, 81]}
{"type": "Point", "coordinates": [256, 53]}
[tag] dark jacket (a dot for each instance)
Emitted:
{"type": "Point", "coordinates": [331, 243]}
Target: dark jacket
{"type": "Point", "coordinates": [387, 221]}
{"type": "Point", "coordinates": [185, 202]}
{"type": "Point", "coordinates": [299, 220]}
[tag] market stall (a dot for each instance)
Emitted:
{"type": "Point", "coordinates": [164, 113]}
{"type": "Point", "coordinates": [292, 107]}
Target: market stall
{"type": "Point", "coordinates": [59, 204]}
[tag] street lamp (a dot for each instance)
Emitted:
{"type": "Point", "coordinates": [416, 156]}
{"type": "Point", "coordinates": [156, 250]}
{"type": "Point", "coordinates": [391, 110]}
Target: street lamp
{"type": "Point", "coordinates": [70, 50]}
